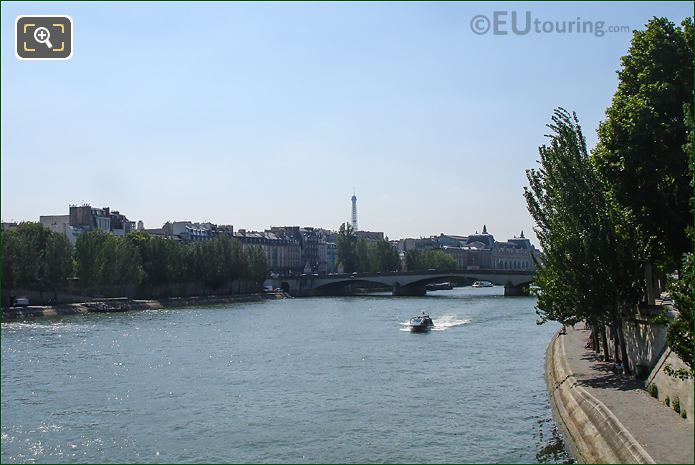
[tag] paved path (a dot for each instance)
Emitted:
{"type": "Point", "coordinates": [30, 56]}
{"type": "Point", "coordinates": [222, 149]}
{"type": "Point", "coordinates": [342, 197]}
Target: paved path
{"type": "Point", "coordinates": [662, 432]}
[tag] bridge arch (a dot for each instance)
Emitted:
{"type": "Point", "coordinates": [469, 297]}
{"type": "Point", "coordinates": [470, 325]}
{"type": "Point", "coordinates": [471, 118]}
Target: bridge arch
{"type": "Point", "coordinates": [516, 282]}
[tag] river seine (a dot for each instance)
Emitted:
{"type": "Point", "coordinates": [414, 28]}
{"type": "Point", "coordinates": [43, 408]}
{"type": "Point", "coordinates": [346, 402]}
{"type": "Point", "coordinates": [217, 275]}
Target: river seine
{"type": "Point", "coordinates": [334, 379]}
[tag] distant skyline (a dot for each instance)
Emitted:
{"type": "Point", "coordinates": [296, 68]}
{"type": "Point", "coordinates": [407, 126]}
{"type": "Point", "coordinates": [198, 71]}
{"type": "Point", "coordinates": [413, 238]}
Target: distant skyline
{"type": "Point", "coordinates": [269, 114]}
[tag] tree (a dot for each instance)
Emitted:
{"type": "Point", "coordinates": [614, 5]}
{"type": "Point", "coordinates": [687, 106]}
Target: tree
{"type": "Point", "coordinates": [126, 266]}
{"type": "Point", "coordinates": [87, 255]}
{"type": "Point", "coordinates": [34, 256]}
{"type": "Point", "coordinates": [346, 245]}
{"type": "Point", "coordinates": [641, 153]}
{"type": "Point", "coordinates": [105, 259]}
{"type": "Point", "coordinates": [257, 264]}
{"type": "Point", "coordinates": [439, 260]}
{"type": "Point", "coordinates": [215, 262]}
{"type": "Point", "coordinates": [680, 330]}
{"type": "Point", "coordinates": [362, 256]}
{"type": "Point", "coordinates": [7, 276]}
{"type": "Point", "coordinates": [414, 260]}
{"type": "Point", "coordinates": [11, 253]}
{"type": "Point", "coordinates": [30, 258]}
{"type": "Point", "coordinates": [237, 261]}
{"type": "Point", "coordinates": [589, 268]}
{"type": "Point", "coordinates": [59, 262]}
{"type": "Point", "coordinates": [153, 256]}
{"type": "Point", "coordinates": [420, 260]}
{"type": "Point", "coordinates": [382, 257]}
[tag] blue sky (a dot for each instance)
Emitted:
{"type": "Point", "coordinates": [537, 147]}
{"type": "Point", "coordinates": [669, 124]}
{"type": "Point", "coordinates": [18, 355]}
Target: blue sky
{"type": "Point", "coordinates": [260, 114]}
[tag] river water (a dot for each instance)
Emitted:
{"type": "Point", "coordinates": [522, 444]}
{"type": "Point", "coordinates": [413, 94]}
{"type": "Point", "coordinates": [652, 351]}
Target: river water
{"type": "Point", "coordinates": [334, 379]}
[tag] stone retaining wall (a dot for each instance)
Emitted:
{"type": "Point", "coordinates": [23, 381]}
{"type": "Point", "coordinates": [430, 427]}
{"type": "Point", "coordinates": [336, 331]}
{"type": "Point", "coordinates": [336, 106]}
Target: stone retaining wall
{"type": "Point", "coordinates": [122, 305]}
{"type": "Point", "coordinates": [671, 387]}
{"type": "Point", "coordinates": [593, 433]}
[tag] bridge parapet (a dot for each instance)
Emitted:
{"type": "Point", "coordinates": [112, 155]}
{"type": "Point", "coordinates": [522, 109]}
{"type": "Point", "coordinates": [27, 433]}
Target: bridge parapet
{"type": "Point", "coordinates": [403, 283]}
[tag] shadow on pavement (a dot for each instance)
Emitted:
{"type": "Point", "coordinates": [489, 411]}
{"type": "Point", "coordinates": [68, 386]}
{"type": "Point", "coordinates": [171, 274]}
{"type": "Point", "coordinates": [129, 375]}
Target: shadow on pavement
{"type": "Point", "coordinates": [611, 381]}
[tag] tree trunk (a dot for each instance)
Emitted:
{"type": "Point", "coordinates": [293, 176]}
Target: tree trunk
{"type": "Point", "coordinates": [623, 348]}
{"type": "Point", "coordinates": [616, 341]}
{"type": "Point", "coordinates": [604, 340]}
{"type": "Point", "coordinates": [594, 335]}
{"type": "Point", "coordinates": [649, 281]}
{"type": "Point", "coordinates": [594, 339]}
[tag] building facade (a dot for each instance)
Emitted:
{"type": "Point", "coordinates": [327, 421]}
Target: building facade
{"type": "Point", "coordinates": [370, 235]}
{"type": "Point", "coordinates": [482, 251]}
{"type": "Point", "coordinates": [56, 223]}
{"type": "Point", "coordinates": [84, 218]}
{"type": "Point", "coordinates": [282, 251]}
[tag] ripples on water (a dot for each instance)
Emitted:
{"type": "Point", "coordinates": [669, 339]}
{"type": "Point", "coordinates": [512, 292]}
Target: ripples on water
{"type": "Point", "coordinates": [297, 380]}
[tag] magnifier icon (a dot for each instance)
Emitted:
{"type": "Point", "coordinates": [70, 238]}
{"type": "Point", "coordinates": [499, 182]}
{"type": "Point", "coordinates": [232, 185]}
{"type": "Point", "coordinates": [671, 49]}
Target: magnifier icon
{"type": "Point", "coordinates": [42, 36]}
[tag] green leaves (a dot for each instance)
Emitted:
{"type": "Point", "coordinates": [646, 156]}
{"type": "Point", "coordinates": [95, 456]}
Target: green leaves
{"type": "Point", "coordinates": [346, 244]}
{"type": "Point", "coordinates": [105, 259]}
{"type": "Point", "coordinates": [680, 331]}
{"type": "Point", "coordinates": [364, 256]}
{"type": "Point", "coordinates": [420, 260]}
{"type": "Point", "coordinates": [642, 152]}
{"type": "Point", "coordinates": [584, 270]}
{"type": "Point", "coordinates": [215, 262]}
{"type": "Point", "coordinates": [257, 264]}
{"type": "Point", "coordinates": [35, 256]}
{"type": "Point", "coordinates": [600, 219]}
{"type": "Point", "coordinates": [381, 257]}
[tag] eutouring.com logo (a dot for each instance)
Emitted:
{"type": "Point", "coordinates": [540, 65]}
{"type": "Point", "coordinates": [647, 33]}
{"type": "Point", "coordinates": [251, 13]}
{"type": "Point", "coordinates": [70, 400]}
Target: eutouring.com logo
{"type": "Point", "coordinates": [515, 23]}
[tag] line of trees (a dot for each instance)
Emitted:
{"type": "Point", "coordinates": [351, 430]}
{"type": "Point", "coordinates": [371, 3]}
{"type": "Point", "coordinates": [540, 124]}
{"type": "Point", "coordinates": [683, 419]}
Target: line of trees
{"type": "Point", "coordinates": [615, 222]}
{"type": "Point", "coordinates": [35, 257]}
{"type": "Point", "coordinates": [420, 260]}
{"type": "Point", "coordinates": [359, 255]}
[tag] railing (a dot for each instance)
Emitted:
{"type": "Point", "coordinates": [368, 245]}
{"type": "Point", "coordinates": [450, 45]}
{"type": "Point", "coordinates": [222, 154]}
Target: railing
{"type": "Point", "coordinates": [455, 272]}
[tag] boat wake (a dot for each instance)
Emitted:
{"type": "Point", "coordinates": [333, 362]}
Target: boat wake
{"type": "Point", "coordinates": [441, 324]}
{"type": "Point", "coordinates": [448, 321]}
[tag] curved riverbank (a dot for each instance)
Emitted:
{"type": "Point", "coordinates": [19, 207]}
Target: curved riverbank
{"type": "Point", "coordinates": [606, 417]}
{"type": "Point", "coordinates": [124, 305]}
{"type": "Point", "coordinates": [591, 430]}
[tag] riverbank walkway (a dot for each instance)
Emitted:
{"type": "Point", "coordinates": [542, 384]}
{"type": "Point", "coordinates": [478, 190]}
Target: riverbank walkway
{"type": "Point", "coordinates": [665, 436]}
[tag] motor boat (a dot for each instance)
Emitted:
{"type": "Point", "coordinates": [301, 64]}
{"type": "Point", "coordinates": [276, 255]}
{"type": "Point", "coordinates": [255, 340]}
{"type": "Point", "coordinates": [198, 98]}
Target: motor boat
{"type": "Point", "coordinates": [439, 286]}
{"type": "Point", "coordinates": [420, 323]}
{"type": "Point", "coordinates": [482, 284]}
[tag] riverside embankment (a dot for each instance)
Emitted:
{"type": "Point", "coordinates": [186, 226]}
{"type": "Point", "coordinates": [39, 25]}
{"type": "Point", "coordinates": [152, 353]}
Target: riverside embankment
{"type": "Point", "coordinates": [125, 304]}
{"type": "Point", "coordinates": [607, 417]}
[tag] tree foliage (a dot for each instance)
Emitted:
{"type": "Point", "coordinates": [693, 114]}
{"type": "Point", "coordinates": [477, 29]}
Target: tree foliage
{"type": "Point", "coordinates": [35, 256]}
{"type": "Point", "coordinates": [641, 142]}
{"type": "Point", "coordinates": [215, 262]}
{"type": "Point", "coordinates": [59, 261]}
{"type": "Point", "coordinates": [680, 330]}
{"type": "Point", "coordinates": [361, 255]}
{"type": "Point", "coordinates": [381, 257]}
{"type": "Point", "coordinates": [346, 248]}
{"type": "Point", "coordinates": [420, 260]}
{"type": "Point", "coordinates": [105, 259]}
{"type": "Point", "coordinates": [645, 154]}
{"type": "Point", "coordinates": [602, 221]}
{"type": "Point", "coordinates": [590, 266]}
{"type": "Point", "coordinates": [257, 264]}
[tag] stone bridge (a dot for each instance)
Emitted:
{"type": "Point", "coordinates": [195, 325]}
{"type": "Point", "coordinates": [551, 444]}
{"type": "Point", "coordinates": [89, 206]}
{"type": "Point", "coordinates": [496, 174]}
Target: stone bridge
{"type": "Point", "coordinates": [411, 283]}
